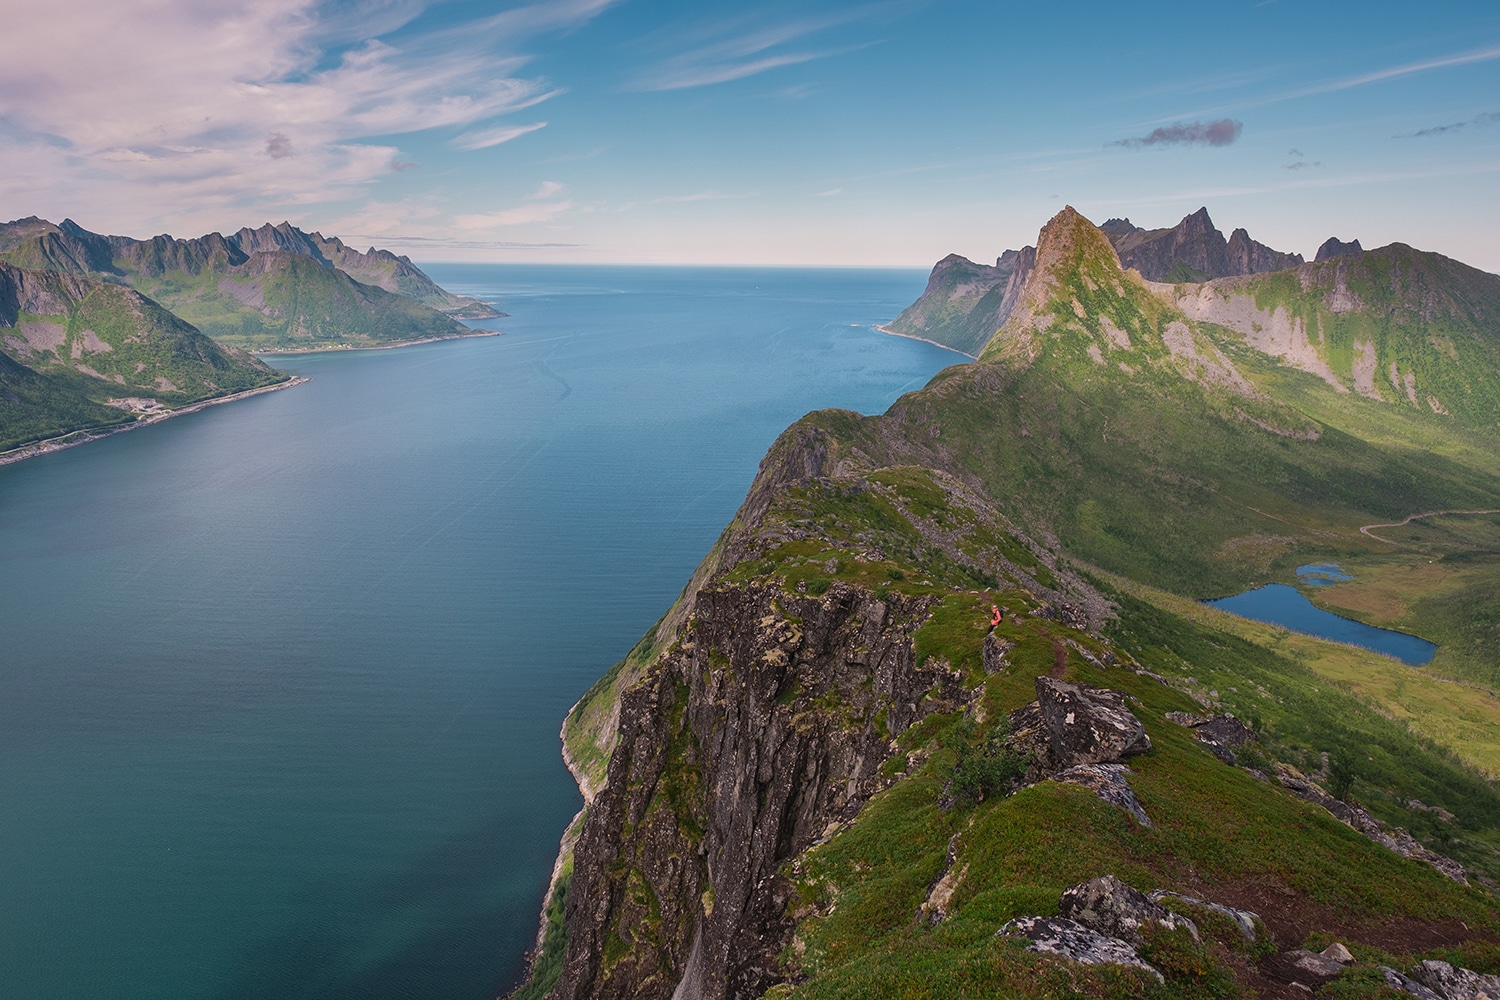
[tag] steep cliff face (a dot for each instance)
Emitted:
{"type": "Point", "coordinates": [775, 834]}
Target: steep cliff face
{"type": "Point", "coordinates": [964, 302]}
{"type": "Point", "coordinates": [765, 724]}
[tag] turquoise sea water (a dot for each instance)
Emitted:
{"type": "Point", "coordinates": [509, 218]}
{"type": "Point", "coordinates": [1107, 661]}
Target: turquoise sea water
{"type": "Point", "coordinates": [1278, 604]}
{"type": "Point", "coordinates": [280, 682]}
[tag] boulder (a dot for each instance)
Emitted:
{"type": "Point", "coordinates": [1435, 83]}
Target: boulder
{"type": "Point", "coordinates": [1456, 984]}
{"type": "Point", "coordinates": [1338, 953]}
{"type": "Point", "coordinates": [1313, 963]}
{"type": "Point", "coordinates": [1087, 725]}
{"type": "Point", "coordinates": [1109, 906]}
{"type": "Point", "coordinates": [1072, 940]}
{"type": "Point", "coordinates": [1225, 730]}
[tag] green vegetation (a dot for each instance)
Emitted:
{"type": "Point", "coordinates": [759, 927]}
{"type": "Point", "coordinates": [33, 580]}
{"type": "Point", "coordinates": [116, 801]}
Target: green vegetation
{"type": "Point", "coordinates": [1107, 449]}
{"type": "Point", "coordinates": [97, 342]}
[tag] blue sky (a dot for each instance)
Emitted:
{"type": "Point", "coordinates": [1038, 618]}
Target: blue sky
{"type": "Point", "coordinates": [755, 132]}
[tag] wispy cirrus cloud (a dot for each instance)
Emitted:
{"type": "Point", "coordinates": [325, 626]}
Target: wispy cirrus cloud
{"type": "Point", "coordinates": [1466, 58]}
{"type": "Point", "coordinates": [1223, 132]}
{"type": "Point", "coordinates": [739, 47]}
{"type": "Point", "coordinates": [191, 108]}
{"type": "Point", "coordinates": [1488, 118]}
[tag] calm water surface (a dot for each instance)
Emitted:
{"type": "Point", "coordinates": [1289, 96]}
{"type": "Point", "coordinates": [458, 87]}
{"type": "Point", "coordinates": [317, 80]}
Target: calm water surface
{"type": "Point", "coordinates": [280, 682]}
{"type": "Point", "coordinates": [1278, 604]}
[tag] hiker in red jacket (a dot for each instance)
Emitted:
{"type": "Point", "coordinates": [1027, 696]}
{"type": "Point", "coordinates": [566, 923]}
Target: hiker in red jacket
{"type": "Point", "coordinates": [996, 616]}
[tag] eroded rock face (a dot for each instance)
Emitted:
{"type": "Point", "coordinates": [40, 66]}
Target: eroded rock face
{"type": "Point", "coordinates": [1456, 984]}
{"type": "Point", "coordinates": [1109, 906]}
{"type": "Point", "coordinates": [763, 724]}
{"type": "Point", "coordinates": [1087, 725]}
{"type": "Point", "coordinates": [1072, 940]}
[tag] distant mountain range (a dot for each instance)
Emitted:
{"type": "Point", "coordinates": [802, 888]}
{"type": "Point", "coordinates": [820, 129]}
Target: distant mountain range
{"type": "Point", "coordinates": [1398, 324]}
{"type": "Point", "coordinates": [97, 331]}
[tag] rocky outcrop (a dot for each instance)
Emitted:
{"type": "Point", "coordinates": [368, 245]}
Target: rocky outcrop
{"type": "Point", "coordinates": [762, 726]}
{"type": "Point", "coordinates": [1452, 983]}
{"type": "Point", "coordinates": [1109, 906]}
{"type": "Point", "coordinates": [1108, 782]}
{"type": "Point", "coordinates": [1071, 940]}
{"type": "Point", "coordinates": [1086, 725]}
{"type": "Point", "coordinates": [1394, 839]}
{"type": "Point", "coordinates": [1405, 984]}
{"type": "Point", "coordinates": [1243, 919]}
{"type": "Point", "coordinates": [1222, 734]}
{"type": "Point", "coordinates": [1335, 247]}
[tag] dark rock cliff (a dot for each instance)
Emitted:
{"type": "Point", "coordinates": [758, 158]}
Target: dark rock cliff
{"type": "Point", "coordinates": [765, 723]}
{"type": "Point", "coordinates": [1193, 250]}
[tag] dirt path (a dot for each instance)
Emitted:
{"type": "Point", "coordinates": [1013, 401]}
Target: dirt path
{"type": "Point", "coordinates": [1367, 529]}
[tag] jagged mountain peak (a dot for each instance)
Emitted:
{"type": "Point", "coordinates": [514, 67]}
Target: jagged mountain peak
{"type": "Point", "coordinates": [1335, 247]}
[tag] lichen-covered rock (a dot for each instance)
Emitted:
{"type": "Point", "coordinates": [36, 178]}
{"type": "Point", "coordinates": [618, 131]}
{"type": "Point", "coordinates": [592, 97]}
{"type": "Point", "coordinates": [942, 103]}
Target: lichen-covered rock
{"type": "Point", "coordinates": [1072, 940]}
{"type": "Point", "coordinates": [1456, 984]}
{"type": "Point", "coordinates": [1243, 919]}
{"type": "Point", "coordinates": [1406, 984]}
{"type": "Point", "coordinates": [1225, 730]}
{"type": "Point", "coordinates": [1109, 906]}
{"type": "Point", "coordinates": [1108, 782]}
{"type": "Point", "coordinates": [1087, 725]}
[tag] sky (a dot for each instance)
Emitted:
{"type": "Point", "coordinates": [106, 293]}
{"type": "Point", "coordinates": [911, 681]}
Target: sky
{"type": "Point", "coordinates": [890, 132]}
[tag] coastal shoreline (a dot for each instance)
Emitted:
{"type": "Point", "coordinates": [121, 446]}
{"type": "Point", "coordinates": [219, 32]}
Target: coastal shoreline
{"type": "Point", "coordinates": [74, 438]}
{"type": "Point", "coordinates": [911, 336]}
{"type": "Point", "coordinates": [377, 347]}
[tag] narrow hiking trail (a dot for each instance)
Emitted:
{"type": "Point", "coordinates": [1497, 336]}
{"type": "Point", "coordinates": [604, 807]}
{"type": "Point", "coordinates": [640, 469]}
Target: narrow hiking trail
{"type": "Point", "coordinates": [1368, 529]}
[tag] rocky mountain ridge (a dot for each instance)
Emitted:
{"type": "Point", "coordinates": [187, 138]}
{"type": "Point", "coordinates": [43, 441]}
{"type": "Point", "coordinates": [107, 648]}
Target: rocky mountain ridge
{"type": "Point", "coordinates": [267, 288]}
{"type": "Point", "coordinates": [965, 303]}
{"type": "Point", "coordinates": [896, 712]}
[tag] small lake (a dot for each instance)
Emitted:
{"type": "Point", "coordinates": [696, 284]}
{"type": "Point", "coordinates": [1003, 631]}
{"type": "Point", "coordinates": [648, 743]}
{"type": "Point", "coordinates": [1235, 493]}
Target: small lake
{"type": "Point", "coordinates": [1279, 604]}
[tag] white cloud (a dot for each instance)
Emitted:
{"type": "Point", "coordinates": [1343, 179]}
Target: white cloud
{"type": "Point", "coordinates": [735, 49]}
{"type": "Point", "coordinates": [485, 138]}
{"type": "Point", "coordinates": [545, 190]}
{"type": "Point", "coordinates": [170, 109]}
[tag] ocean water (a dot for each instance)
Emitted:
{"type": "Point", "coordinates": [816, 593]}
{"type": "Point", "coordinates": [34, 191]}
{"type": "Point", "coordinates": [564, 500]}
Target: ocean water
{"type": "Point", "coordinates": [280, 682]}
{"type": "Point", "coordinates": [1278, 604]}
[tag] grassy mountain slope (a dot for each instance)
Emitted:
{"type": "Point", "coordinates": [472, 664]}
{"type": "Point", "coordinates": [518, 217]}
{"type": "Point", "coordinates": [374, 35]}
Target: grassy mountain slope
{"type": "Point", "coordinates": [1113, 453]}
{"type": "Point", "coordinates": [72, 344]}
{"type": "Point", "coordinates": [964, 302]}
{"type": "Point", "coordinates": [266, 289]}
